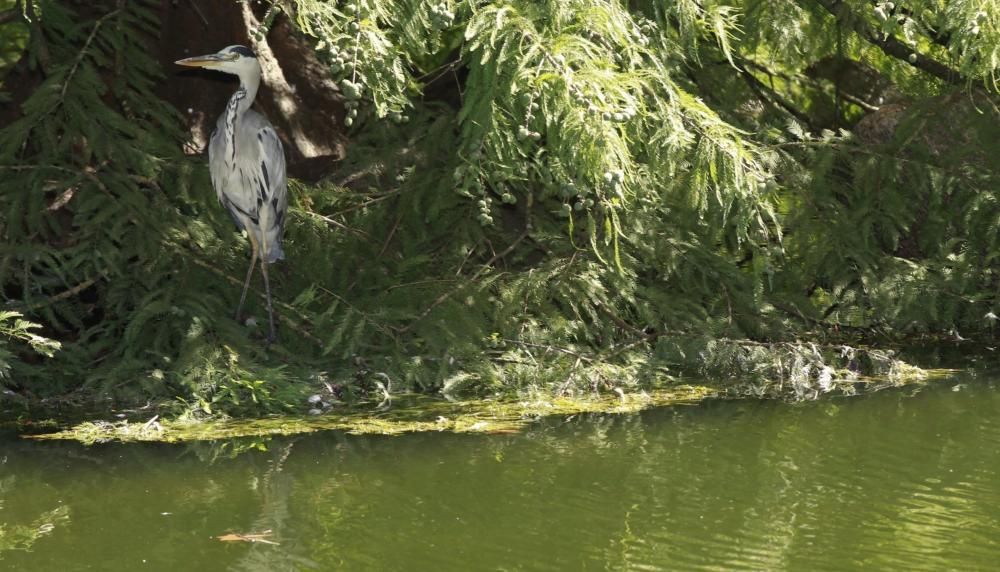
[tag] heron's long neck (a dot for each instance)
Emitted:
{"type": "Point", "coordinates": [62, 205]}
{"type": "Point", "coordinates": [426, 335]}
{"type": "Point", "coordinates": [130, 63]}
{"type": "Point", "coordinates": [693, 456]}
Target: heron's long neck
{"type": "Point", "coordinates": [244, 96]}
{"type": "Point", "coordinates": [237, 106]}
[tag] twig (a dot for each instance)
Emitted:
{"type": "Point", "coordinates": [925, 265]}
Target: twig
{"type": "Point", "coordinates": [619, 321]}
{"type": "Point", "coordinates": [57, 297]}
{"type": "Point", "coordinates": [83, 52]}
{"type": "Point", "coordinates": [367, 203]}
{"type": "Point", "coordinates": [418, 283]}
{"type": "Point", "coordinates": [66, 293]}
{"type": "Point", "coordinates": [771, 95]}
{"type": "Point", "coordinates": [548, 347]}
{"type": "Point", "coordinates": [466, 258]}
{"type": "Point", "coordinates": [194, 4]}
{"type": "Point", "coordinates": [870, 108]}
{"type": "Point", "coordinates": [388, 238]}
{"type": "Point", "coordinates": [381, 327]}
{"type": "Point", "coordinates": [443, 68]}
{"type": "Point", "coordinates": [642, 340]}
{"type": "Point", "coordinates": [341, 225]}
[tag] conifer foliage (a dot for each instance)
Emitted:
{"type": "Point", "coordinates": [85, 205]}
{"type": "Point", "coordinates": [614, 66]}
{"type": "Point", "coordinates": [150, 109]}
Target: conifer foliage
{"type": "Point", "coordinates": [571, 194]}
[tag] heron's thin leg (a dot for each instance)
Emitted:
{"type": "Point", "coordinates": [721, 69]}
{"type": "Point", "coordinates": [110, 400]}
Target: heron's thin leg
{"type": "Point", "coordinates": [270, 312]}
{"type": "Point", "coordinates": [246, 283]}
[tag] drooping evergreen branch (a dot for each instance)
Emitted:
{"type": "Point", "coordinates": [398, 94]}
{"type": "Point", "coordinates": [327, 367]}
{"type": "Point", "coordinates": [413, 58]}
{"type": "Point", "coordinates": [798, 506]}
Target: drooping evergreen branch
{"type": "Point", "coordinates": [549, 347]}
{"type": "Point", "coordinates": [445, 296]}
{"type": "Point", "coordinates": [889, 44]}
{"type": "Point", "coordinates": [65, 294]}
{"type": "Point", "coordinates": [649, 219]}
{"type": "Point", "coordinates": [41, 47]}
{"type": "Point", "coordinates": [84, 52]}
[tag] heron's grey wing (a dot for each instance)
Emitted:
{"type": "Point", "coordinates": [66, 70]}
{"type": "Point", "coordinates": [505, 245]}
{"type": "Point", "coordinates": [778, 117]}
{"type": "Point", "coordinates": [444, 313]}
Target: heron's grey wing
{"type": "Point", "coordinates": [271, 183]}
{"type": "Point", "coordinates": [219, 167]}
{"type": "Point", "coordinates": [249, 177]}
{"type": "Point", "coordinates": [232, 182]}
{"type": "Point", "coordinates": [272, 163]}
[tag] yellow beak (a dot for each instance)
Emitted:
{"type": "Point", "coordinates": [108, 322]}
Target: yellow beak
{"type": "Point", "coordinates": [207, 61]}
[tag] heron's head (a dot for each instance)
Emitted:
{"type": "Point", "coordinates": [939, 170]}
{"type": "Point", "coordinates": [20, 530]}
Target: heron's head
{"type": "Point", "coordinates": [237, 60]}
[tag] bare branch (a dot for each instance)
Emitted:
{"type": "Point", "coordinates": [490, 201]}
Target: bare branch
{"type": "Point", "coordinates": [771, 96]}
{"type": "Point", "coordinates": [9, 15]}
{"type": "Point", "coordinates": [889, 44]}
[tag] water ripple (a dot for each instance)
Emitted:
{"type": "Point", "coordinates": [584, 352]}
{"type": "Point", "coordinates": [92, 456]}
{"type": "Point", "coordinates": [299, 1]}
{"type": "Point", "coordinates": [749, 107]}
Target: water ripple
{"type": "Point", "coordinates": [893, 480]}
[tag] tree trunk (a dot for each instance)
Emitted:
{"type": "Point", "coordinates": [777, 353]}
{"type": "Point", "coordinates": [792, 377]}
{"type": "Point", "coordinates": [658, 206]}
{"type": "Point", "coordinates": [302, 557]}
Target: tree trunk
{"type": "Point", "coordinates": [296, 94]}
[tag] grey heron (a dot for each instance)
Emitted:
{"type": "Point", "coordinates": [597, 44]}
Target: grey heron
{"type": "Point", "coordinates": [247, 163]}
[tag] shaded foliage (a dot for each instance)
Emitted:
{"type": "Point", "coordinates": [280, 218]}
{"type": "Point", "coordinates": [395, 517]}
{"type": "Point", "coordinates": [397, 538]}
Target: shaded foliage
{"type": "Point", "coordinates": [535, 194]}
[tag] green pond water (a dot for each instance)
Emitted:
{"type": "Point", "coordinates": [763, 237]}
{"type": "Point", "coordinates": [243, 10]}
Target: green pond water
{"type": "Point", "coordinates": [897, 480]}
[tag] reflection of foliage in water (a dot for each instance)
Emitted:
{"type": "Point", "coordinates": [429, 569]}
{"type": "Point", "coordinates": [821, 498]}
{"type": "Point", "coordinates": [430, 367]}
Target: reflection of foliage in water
{"type": "Point", "coordinates": [886, 481]}
{"type": "Point", "coordinates": [24, 536]}
{"type": "Point", "coordinates": [275, 488]}
{"type": "Point", "coordinates": [225, 449]}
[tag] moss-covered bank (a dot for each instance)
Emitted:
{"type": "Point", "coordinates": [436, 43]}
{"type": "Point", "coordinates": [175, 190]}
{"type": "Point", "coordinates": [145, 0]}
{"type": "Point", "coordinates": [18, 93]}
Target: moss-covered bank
{"type": "Point", "coordinates": [413, 413]}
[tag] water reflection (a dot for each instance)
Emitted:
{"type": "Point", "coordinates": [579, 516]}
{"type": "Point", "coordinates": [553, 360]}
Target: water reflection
{"type": "Point", "coordinates": [894, 480]}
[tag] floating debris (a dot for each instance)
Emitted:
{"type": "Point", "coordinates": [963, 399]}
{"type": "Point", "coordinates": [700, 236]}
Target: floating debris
{"type": "Point", "coordinates": [249, 537]}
